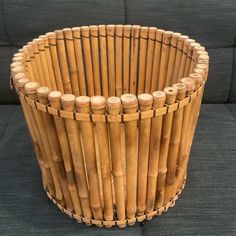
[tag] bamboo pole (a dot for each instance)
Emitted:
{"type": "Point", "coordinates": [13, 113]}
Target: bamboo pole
{"type": "Point", "coordinates": [38, 65]}
{"type": "Point", "coordinates": [49, 62]}
{"type": "Point", "coordinates": [31, 90]}
{"type": "Point", "coordinates": [98, 105]}
{"type": "Point", "coordinates": [33, 62]}
{"type": "Point", "coordinates": [156, 59]}
{"type": "Point", "coordinates": [70, 52]}
{"type": "Point", "coordinates": [118, 58]}
{"type": "Point", "coordinates": [111, 59]}
{"type": "Point", "coordinates": [61, 54]}
{"type": "Point", "coordinates": [55, 102]}
{"type": "Point", "coordinates": [171, 62]}
{"type": "Point", "coordinates": [68, 104]}
{"type": "Point", "coordinates": [42, 95]}
{"type": "Point", "coordinates": [150, 60]}
{"type": "Point", "coordinates": [95, 58]}
{"type": "Point", "coordinates": [114, 108]}
{"type": "Point", "coordinates": [126, 58]}
{"type": "Point", "coordinates": [79, 60]}
{"type": "Point", "coordinates": [165, 50]}
{"type": "Point", "coordinates": [43, 60]}
{"type": "Point", "coordinates": [171, 93]}
{"type": "Point", "coordinates": [35, 136]}
{"type": "Point", "coordinates": [159, 98]}
{"type": "Point", "coordinates": [103, 60]}
{"type": "Point", "coordinates": [189, 57]}
{"type": "Point", "coordinates": [174, 143]}
{"type": "Point", "coordinates": [134, 58]}
{"type": "Point", "coordinates": [185, 126]}
{"type": "Point", "coordinates": [55, 60]}
{"type": "Point", "coordinates": [87, 134]}
{"type": "Point", "coordinates": [142, 59]}
{"type": "Point", "coordinates": [129, 104]}
{"type": "Point", "coordinates": [28, 64]}
{"type": "Point", "coordinates": [87, 59]}
{"type": "Point", "coordinates": [178, 57]}
{"type": "Point", "coordinates": [184, 57]}
{"type": "Point", "coordinates": [145, 101]}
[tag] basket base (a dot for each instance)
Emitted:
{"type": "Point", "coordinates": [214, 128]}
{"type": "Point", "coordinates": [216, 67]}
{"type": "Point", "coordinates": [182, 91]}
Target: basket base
{"type": "Point", "coordinates": [120, 223]}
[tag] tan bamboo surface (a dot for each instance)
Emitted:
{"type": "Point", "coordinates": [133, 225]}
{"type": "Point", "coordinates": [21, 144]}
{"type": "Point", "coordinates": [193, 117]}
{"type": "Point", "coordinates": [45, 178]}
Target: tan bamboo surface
{"type": "Point", "coordinates": [145, 104]}
{"type": "Point", "coordinates": [95, 58]}
{"type": "Point", "coordinates": [111, 111]}
{"type": "Point", "coordinates": [71, 60]}
{"type": "Point", "coordinates": [159, 98]}
{"type": "Point", "coordinates": [171, 93]}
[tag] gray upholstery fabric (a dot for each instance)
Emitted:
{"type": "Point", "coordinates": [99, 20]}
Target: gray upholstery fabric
{"type": "Point", "coordinates": [206, 206]}
{"type": "Point", "coordinates": [210, 22]}
{"type": "Point", "coordinates": [233, 81]}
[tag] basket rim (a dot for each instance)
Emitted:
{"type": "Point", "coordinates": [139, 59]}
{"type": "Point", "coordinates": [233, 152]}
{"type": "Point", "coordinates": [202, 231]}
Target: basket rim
{"type": "Point", "coordinates": [75, 115]}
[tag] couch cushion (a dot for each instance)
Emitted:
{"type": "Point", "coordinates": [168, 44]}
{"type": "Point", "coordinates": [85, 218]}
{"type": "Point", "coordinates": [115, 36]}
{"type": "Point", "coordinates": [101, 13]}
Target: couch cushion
{"type": "Point", "coordinates": [210, 22]}
{"type": "Point", "coordinates": [232, 95]}
{"type": "Point", "coordinates": [206, 206]}
{"type": "Point", "coordinates": [27, 19]}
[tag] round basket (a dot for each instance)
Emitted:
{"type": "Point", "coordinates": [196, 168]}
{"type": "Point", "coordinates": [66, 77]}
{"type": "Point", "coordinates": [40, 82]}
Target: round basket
{"type": "Point", "coordinates": [111, 111]}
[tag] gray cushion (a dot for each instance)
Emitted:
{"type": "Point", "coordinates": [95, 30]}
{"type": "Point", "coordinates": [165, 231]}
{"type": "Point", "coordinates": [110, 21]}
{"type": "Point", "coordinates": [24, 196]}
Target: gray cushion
{"type": "Point", "coordinates": [38, 17]}
{"type": "Point", "coordinates": [232, 94]}
{"type": "Point", "coordinates": [206, 207]}
{"type": "Point", "coordinates": [210, 22]}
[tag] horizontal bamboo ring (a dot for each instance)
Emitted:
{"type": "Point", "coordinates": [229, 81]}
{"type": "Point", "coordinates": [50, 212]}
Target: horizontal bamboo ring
{"type": "Point", "coordinates": [111, 111]}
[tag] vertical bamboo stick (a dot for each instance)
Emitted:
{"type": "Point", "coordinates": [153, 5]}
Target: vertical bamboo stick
{"type": "Point", "coordinates": [31, 90]}
{"type": "Point", "coordinates": [129, 104]}
{"type": "Point", "coordinates": [42, 94]}
{"type": "Point", "coordinates": [68, 104]}
{"type": "Point", "coordinates": [194, 56]}
{"type": "Point", "coordinates": [95, 58]}
{"type": "Point", "coordinates": [179, 52]}
{"type": "Point", "coordinates": [43, 60]}
{"type": "Point", "coordinates": [34, 48]}
{"type": "Point", "coordinates": [55, 60]}
{"type": "Point", "coordinates": [32, 62]}
{"type": "Point", "coordinates": [98, 105]}
{"type": "Point", "coordinates": [184, 57]}
{"type": "Point", "coordinates": [87, 134]}
{"type": "Point", "coordinates": [142, 59]}
{"type": "Point", "coordinates": [171, 93]}
{"type": "Point", "coordinates": [165, 49]}
{"type": "Point", "coordinates": [134, 58]}
{"type": "Point", "coordinates": [189, 57]}
{"type": "Point", "coordinates": [145, 103]}
{"type": "Point", "coordinates": [150, 60]}
{"type": "Point", "coordinates": [126, 58]}
{"type": "Point", "coordinates": [114, 108]}
{"type": "Point", "coordinates": [174, 143]}
{"type": "Point", "coordinates": [171, 62]}
{"type": "Point", "coordinates": [154, 150]}
{"type": "Point", "coordinates": [79, 60]}
{"type": "Point", "coordinates": [118, 59]}
{"type": "Point", "coordinates": [185, 126]}
{"type": "Point", "coordinates": [61, 54]}
{"type": "Point", "coordinates": [34, 136]}
{"type": "Point", "coordinates": [69, 43]}
{"type": "Point", "coordinates": [28, 64]}
{"type": "Point", "coordinates": [49, 62]}
{"type": "Point", "coordinates": [103, 59]}
{"type": "Point", "coordinates": [111, 59]}
{"type": "Point", "coordinates": [87, 59]}
{"type": "Point", "coordinates": [55, 102]}
{"type": "Point", "coordinates": [156, 59]}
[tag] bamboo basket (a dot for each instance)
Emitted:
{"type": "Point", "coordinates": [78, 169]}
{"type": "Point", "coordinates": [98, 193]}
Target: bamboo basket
{"type": "Point", "coordinates": [111, 111]}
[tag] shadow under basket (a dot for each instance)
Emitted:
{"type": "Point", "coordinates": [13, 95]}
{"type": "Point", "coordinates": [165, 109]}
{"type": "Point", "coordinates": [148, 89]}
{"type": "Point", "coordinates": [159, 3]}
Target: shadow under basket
{"type": "Point", "coordinates": [111, 111]}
